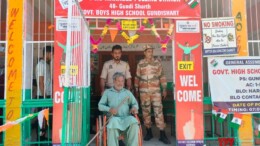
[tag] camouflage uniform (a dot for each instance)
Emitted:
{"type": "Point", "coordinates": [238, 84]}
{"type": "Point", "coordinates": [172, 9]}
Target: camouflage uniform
{"type": "Point", "coordinates": [149, 76]}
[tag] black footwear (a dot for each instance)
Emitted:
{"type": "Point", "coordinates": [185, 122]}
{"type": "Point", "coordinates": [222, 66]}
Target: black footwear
{"type": "Point", "coordinates": [163, 138]}
{"type": "Point", "coordinates": [121, 143]}
{"type": "Point", "coordinates": [149, 134]}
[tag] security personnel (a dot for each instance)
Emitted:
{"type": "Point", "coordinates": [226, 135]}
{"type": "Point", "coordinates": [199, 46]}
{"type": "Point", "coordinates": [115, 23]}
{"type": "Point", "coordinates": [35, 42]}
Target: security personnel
{"type": "Point", "coordinates": [112, 66]}
{"type": "Point", "coordinates": [149, 77]}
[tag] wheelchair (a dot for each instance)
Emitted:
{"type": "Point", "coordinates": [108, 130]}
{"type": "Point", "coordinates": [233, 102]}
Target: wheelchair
{"type": "Point", "coordinates": [101, 139]}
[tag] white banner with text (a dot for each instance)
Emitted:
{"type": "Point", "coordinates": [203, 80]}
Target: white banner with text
{"type": "Point", "coordinates": [235, 83]}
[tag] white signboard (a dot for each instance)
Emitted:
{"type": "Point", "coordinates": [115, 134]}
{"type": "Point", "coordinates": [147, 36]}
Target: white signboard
{"type": "Point", "coordinates": [235, 83]}
{"type": "Point", "coordinates": [65, 3]}
{"type": "Point", "coordinates": [219, 37]}
{"type": "Point", "coordinates": [187, 26]}
{"type": "Point", "coordinates": [62, 24]}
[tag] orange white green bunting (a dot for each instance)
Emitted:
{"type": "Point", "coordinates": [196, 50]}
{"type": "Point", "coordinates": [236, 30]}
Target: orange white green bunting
{"type": "Point", "coordinates": [236, 121]}
{"type": "Point", "coordinates": [215, 112]}
{"type": "Point", "coordinates": [223, 115]}
{"type": "Point", "coordinates": [10, 124]}
{"type": "Point", "coordinates": [43, 114]}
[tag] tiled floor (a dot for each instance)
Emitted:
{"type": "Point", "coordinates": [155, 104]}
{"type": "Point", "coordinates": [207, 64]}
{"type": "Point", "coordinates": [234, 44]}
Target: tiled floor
{"type": "Point", "coordinates": [155, 141]}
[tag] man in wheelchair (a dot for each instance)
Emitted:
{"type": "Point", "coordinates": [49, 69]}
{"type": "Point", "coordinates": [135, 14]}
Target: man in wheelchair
{"type": "Point", "coordinates": [120, 103]}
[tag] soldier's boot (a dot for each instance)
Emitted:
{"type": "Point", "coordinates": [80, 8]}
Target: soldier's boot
{"type": "Point", "coordinates": [149, 134]}
{"type": "Point", "coordinates": [163, 138]}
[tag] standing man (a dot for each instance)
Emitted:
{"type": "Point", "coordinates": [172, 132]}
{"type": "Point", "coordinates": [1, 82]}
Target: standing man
{"type": "Point", "coordinates": [121, 103]}
{"type": "Point", "coordinates": [149, 77]}
{"type": "Point", "coordinates": [112, 66]}
{"type": "Point", "coordinates": [43, 74]}
{"type": "Point", "coordinates": [44, 83]}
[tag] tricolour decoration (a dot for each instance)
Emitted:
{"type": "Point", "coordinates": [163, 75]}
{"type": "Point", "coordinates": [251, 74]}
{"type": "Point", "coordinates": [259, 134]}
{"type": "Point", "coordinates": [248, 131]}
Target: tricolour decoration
{"type": "Point", "coordinates": [223, 115]}
{"type": "Point", "coordinates": [236, 121]}
{"type": "Point", "coordinates": [168, 36]}
{"type": "Point", "coordinates": [215, 112]}
{"type": "Point", "coordinates": [94, 42]}
{"type": "Point", "coordinates": [130, 39]}
{"type": "Point", "coordinates": [42, 114]}
{"type": "Point", "coordinates": [192, 3]}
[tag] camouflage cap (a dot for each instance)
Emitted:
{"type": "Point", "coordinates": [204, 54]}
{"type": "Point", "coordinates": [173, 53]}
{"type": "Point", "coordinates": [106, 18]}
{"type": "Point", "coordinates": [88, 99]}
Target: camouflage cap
{"type": "Point", "coordinates": [147, 46]}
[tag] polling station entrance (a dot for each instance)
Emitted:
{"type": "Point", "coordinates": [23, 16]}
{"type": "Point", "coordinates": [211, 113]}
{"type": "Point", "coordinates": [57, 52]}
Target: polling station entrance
{"type": "Point", "coordinates": [84, 35]}
{"type": "Point", "coordinates": [175, 27]}
{"type": "Point", "coordinates": [182, 23]}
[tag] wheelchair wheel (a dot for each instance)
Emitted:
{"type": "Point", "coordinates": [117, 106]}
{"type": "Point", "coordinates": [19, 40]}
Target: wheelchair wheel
{"type": "Point", "coordinates": [97, 129]}
{"type": "Point", "coordinates": [140, 133]}
{"type": "Point", "coordinates": [100, 119]}
{"type": "Point", "coordinates": [100, 137]}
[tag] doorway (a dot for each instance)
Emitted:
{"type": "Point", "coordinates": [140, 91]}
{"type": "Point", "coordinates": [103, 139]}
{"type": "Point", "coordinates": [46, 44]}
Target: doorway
{"type": "Point", "coordinates": [133, 53]}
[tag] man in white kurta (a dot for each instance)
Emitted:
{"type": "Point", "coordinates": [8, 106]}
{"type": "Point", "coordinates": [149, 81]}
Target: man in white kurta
{"type": "Point", "coordinates": [121, 103]}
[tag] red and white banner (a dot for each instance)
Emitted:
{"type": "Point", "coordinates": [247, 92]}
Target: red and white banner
{"type": "Point", "coordinates": [133, 8]}
{"type": "Point", "coordinates": [77, 68]}
{"type": "Point", "coordinates": [59, 60]}
{"type": "Point", "coordinates": [188, 83]}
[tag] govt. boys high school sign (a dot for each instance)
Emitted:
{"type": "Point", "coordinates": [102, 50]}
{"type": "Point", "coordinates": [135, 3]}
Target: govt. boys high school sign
{"type": "Point", "coordinates": [133, 8]}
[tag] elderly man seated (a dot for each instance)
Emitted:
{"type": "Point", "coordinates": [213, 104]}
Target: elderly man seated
{"type": "Point", "coordinates": [121, 103]}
